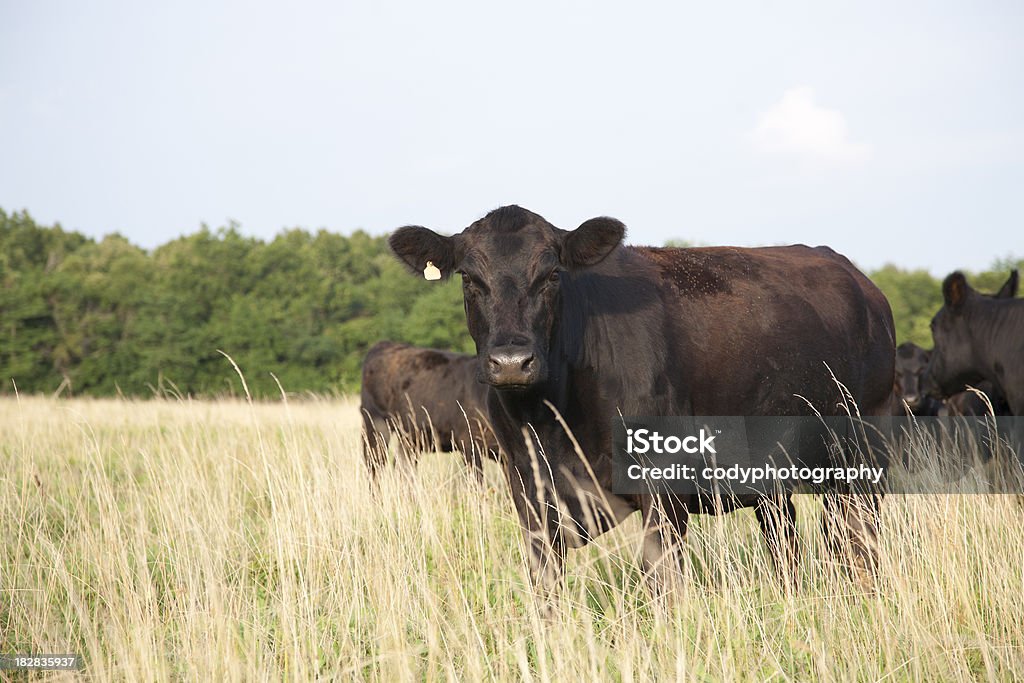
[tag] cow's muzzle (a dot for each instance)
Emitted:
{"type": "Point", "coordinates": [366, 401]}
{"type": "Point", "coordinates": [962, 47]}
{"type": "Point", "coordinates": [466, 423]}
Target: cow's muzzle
{"type": "Point", "coordinates": [512, 367]}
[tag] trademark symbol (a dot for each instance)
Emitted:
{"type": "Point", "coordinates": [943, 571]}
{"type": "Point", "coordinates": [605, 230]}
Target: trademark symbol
{"type": "Point", "coordinates": [718, 431]}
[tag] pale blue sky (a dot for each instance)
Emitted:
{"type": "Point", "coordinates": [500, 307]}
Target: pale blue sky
{"type": "Point", "coordinates": [892, 132]}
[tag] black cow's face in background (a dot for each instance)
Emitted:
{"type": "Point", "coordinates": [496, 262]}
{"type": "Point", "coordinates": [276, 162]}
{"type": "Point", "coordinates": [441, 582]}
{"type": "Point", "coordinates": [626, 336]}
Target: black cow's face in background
{"type": "Point", "coordinates": [952, 364]}
{"type": "Point", "coordinates": [911, 364]}
{"type": "Point", "coordinates": [952, 359]}
{"type": "Point", "coordinates": [512, 263]}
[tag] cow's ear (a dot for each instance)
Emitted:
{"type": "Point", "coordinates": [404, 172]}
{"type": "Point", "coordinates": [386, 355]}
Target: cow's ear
{"type": "Point", "coordinates": [420, 248]}
{"type": "Point", "coordinates": [590, 243]}
{"type": "Point", "coordinates": [955, 290]}
{"type": "Point", "coordinates": [1009, 288]}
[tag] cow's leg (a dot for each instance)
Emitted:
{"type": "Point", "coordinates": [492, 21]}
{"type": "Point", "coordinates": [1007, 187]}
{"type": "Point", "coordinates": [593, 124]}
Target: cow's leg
{"type": "Point", "coordinates": [545, 545]}
{"type": "Point", "coordinates": [376, 435]}
{"type": "Point", "coordinates": [663, 543]}
{"type": "Point", "coordinates": [473, 453]}
{"type": "Point", "coordinates": [850, 525]}
{"type": "Point", "coordinates": [407, 456]}
{"type": "Point", "coordinates": [777, 518]}
{"type": "Point", "coordinates": [546, 555]}
{"type": "Point", "coordinates": [411, 443]}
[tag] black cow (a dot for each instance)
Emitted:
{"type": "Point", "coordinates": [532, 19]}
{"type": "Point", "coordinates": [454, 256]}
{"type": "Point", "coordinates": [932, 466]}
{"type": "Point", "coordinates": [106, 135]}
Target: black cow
{"type": "Point", "coordinates": [570, 321]}
{"type": "Point", "coordinates": [911, 383]}
{"type": "Point", "coordinates": [430, 398]}
{"type": "Point", "coordinates": [911, 364]}
{"type": "Point", "coordinates": [911, 373]}
{"type": "Point", "coordinates": [972, 403]}
{"type": "Point", "coordinates": [978, 338]}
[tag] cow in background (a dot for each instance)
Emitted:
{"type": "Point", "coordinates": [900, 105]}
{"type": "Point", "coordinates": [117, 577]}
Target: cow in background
{"type": "Point", "coordinates": [978, 338]}
{"type": "Point", "coordinates": [429, 399]}
{"type": "Point", "coordinates": [911, 379]}
{"type": "Point", "coordinates": [911, 364]}
{"type": "Point", "coordinates": [970, 403]}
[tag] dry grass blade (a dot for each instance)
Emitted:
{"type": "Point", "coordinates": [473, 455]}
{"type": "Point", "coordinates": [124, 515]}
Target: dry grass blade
{"type": "Point", "coordinates": [236, 540]}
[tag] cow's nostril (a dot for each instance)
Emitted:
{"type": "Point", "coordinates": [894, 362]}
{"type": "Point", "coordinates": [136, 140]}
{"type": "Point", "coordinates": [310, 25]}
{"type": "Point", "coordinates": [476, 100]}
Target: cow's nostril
{"type": "Point", "coordinates": [512, 366]}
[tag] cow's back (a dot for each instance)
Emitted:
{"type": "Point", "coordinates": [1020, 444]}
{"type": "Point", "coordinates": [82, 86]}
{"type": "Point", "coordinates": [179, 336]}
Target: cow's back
{"type": "Point", "coordinates": [379, 376]}
{"type": "Point", "coordinates": [427, 392]}
{"type": "Point", "coordinates": [767, 330]}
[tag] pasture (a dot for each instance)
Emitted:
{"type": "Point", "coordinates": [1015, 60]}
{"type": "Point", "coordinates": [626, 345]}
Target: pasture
{"type": "Point", "coordinates": [218, 540]}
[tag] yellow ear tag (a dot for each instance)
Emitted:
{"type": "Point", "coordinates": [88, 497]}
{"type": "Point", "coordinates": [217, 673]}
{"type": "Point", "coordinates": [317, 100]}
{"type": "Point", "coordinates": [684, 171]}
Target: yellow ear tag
{"type": "Point", "coordinates": [431, 272]}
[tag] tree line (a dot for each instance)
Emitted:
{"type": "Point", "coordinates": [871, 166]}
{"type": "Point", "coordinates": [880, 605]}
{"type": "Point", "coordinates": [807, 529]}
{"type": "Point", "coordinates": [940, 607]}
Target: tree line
{"type": "Point", "coordinates": [105, 317]}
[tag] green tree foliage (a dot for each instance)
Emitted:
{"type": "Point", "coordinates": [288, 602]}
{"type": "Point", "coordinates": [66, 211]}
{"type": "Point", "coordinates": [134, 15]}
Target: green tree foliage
{"type": "Point", "coordinates": [106, 317]}
{"type": "Point", "coordinates": [914, 296]}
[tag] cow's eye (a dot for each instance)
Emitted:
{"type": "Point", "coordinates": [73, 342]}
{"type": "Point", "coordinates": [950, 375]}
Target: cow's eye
{"type": "Point", "coordinates": [470, 282]}
{"type": "Point", "coordinates": [554, 277]}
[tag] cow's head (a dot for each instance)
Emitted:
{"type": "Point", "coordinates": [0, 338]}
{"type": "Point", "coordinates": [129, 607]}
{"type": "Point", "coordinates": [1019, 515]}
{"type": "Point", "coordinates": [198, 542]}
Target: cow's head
{"type": "Point", "coordinates": [911, 363]}
{"type": "Point", "coordinates": [512, 263]}
{"type": "Point", "coordinates": [953, 364]}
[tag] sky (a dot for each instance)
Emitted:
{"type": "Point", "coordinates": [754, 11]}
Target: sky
{"type": "Point", "coordinates": [892, 132]}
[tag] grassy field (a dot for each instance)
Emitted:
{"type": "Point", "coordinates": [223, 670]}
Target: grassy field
{"type": "Point", "coordinates": [209, 541]}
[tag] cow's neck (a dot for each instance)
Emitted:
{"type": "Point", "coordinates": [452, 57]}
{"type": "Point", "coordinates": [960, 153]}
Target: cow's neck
{"type": "Point", "coordinates": [991, 323]}
{"type": "Point", "coordinates": [610, 339]}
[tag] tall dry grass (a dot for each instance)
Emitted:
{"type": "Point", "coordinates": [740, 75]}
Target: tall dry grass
{"type": "Point", "coordinates": [222, 541]}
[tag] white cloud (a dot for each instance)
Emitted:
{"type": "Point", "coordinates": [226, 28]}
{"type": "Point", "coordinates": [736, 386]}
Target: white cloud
{"type": "Point", "coordinates": [798, 127]}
